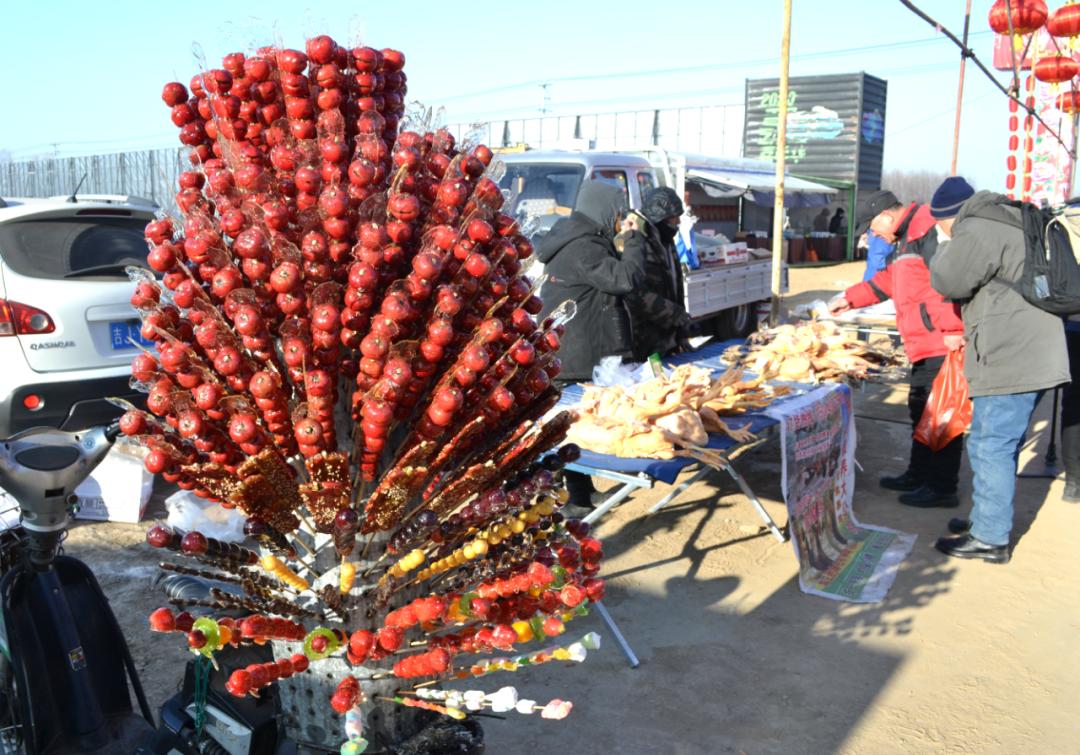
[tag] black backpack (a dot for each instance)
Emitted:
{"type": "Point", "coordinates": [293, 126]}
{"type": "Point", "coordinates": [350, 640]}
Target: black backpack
{"type": "Point", "coordinates": [1051, 278]}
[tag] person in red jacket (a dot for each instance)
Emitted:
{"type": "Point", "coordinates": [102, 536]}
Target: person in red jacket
{"type": "Point", "coordinates": [929, 326]}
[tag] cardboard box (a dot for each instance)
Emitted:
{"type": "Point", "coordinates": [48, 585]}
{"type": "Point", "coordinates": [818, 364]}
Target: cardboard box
{"type": "Point", "coordinates": [736, 252]}
{"type": "Point", "coordinates": [118, 490]}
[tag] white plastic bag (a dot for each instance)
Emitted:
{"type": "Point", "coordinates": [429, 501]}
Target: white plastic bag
{"type": "Point", "coordinates": [189, 512]}
{"type": "Point", "coordinates": [611, 371]}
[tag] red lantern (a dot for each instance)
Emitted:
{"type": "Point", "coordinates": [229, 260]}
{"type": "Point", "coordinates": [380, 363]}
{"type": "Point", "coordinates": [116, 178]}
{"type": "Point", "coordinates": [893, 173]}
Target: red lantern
{"type": "Point", "coordinates": [1056, 68]}
{"type": "Point", "coordinates": [1010, 181]}
{"type": "Point", "coordinates": [1027, 16]}
{"type": "Point", "coordinates": [1065, 21]}
{"type": "Point", "coordinates": [1068, 102]}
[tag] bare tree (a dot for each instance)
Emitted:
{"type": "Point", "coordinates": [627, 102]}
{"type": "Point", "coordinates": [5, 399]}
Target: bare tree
{"type": "Point", "coordinates": [912, 185]}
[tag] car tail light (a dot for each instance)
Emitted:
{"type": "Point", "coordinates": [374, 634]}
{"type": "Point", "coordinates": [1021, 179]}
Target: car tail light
{"type": "Point", "coordinates": [23, 320]}
{"type": "Point", "coordinates": [33, 402]}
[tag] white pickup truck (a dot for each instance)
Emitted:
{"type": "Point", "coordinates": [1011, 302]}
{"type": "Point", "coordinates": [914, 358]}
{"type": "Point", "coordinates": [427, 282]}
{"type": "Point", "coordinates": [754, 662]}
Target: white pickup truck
{"type": "Point", "coordinates": [720, 297]}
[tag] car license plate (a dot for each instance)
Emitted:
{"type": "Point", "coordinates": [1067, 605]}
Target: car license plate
{"type": "Point", "coordinates": [126, 335]}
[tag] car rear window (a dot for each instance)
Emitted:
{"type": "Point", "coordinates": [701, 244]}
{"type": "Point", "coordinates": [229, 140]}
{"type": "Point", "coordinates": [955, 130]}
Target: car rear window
{"type": "Point", "coordinates": [58, 247]}
{"type": "Point", "coordinates": [542, 189]}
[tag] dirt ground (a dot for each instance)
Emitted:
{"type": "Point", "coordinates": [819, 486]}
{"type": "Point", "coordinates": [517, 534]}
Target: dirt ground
{"type": "Point", "coordinates": [961, 657]}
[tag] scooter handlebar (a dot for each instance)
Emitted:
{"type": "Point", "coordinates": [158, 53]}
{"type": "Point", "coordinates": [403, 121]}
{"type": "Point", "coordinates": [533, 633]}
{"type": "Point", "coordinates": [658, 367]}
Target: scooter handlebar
{"type": "Point", "coordinates": [42, 466]}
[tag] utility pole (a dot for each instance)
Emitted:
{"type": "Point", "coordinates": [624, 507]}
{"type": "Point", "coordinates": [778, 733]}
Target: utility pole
{"type": "Point", "coordinates": [781, 149]}
{"type": "Point", "coordinates": [960, 90]}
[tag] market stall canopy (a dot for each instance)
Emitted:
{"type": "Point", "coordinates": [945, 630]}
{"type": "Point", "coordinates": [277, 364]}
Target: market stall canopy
{"type": "Point", "coordinates": [759, 186]}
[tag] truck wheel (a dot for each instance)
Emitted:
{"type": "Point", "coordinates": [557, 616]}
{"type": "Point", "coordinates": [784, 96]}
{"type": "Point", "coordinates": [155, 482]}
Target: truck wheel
{"type": "Point", "coordinates": [737, 322]}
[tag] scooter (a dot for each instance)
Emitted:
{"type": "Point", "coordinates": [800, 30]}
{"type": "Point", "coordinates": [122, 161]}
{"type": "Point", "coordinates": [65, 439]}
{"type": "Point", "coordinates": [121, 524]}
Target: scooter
{"type": "Point", "coordinates": [63, 680]}
{"type": "Point", "coordinates": [65, 667]}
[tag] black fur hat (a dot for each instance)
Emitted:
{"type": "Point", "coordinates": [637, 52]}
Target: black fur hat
{"type": "Point", "coordinates": [661, 203]}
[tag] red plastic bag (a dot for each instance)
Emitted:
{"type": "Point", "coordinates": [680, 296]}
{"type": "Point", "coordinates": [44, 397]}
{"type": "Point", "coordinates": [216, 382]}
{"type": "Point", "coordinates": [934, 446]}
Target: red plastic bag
{"type": "Point", "coordinates": [948, 409]}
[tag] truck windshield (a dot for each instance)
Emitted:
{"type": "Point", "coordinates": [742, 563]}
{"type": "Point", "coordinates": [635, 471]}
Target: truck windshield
{"type": "Point", "coordinates": [542, 189]}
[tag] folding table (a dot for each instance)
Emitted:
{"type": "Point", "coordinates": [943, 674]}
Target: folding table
{"type": "Point", "coordinates": [635, 474]}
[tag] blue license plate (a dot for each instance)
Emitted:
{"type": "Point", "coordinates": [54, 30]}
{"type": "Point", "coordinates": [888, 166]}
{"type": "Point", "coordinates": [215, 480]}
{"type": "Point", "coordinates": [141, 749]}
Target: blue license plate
{"type": "Point", "coordinates": [125, 335]}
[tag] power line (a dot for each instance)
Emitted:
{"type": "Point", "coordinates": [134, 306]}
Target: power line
{"type": "Point", "coordinates": [967, 52]}
{"type": "Point", "coordinates": [692, 69]}
{"type": "Point", "coordinates": [689, 94]}
{"type": "Point", "coordinates": [91, 142]}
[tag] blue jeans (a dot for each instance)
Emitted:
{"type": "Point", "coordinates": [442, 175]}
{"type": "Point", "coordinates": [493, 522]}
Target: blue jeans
{"type": "Point", "coordinates": [998, 425]}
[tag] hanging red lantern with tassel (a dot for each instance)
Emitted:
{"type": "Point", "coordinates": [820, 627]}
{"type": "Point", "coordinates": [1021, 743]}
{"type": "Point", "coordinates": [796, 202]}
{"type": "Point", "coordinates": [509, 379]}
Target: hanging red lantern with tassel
{"type": "Point", "coordinates": [1056, 69]}
{"type": "Point", "coordinates": [1027, 16]}
{"type": "Point", "coordinates": [1065, 21]}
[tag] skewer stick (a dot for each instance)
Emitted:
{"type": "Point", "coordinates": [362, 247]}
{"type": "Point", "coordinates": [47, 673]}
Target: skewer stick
{"type": "Point", "coordinates": [299, 541]}
{"type": "Point", "coordinates": [367, 544]}
{"type": "Point", "coordinates": [305, 520]}
{"type": "Point", "coordinates": [374, 565]}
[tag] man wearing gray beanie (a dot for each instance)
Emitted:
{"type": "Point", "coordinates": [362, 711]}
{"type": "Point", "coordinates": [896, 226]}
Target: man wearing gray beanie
{"type": "Point", "coordinates": [1015, 352]}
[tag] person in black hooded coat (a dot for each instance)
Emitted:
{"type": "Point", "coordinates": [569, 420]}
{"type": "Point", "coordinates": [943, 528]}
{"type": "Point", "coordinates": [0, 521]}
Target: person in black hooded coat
{"type": "Point", "coordinates": [660, 323]}
{"type": "Point", "coordinates": [581, 264]}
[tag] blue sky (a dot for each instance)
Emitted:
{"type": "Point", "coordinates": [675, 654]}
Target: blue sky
{"type": "Point", "coordinates": [86, 77]}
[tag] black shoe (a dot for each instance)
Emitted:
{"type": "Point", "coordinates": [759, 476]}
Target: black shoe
{"type": "Point", "coordinates": [904, 483]}
{"type": "Point", "coordinates": [967, 546]}
{"type": "Point", "coordinates": [1072, 491]}
{"type": "Point", "coordinates": [959, 525]}
{"type": "Point", "coordinates": [928, 498]}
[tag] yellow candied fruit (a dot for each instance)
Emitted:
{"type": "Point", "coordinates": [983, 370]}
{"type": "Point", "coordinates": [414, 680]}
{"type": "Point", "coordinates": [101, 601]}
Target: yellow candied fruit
{"type": "Point", "coordinates": [535, 591]}
{"type": "Point", "coordinates": [469, 551]}
{"type": "Point", "coordinates": [532, 517]}
{"type": "Point", "coordinates": [563, 495]}
{"type": "Point", "coordinates": [523, 515]}
{"type": "Point", "coordinates": [546, 507]}
{"type": "Point", "coordinates": [518, 527]}
{"type": "Point", "coordinates": [270, 563]}
{"type": "Point", "coordinates": [524, 631]}
{"type": "Point", "coordinates": [480, 546]}
{"type": "Point", "coordinates": [561, 654]}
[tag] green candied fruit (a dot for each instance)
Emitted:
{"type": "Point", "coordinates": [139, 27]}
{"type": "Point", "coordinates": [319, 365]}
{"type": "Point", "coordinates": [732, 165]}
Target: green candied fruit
{"type": "Point", "coordinates": [332, 644]}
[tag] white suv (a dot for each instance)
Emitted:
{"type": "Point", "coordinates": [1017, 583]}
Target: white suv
{"type": "Point", "coordinates": [66, 323]}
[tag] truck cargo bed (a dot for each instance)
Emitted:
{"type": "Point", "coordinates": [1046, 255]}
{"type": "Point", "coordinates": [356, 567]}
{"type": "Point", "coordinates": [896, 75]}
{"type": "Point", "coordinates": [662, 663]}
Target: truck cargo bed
{"type": "Point", "coordinates": [713, 288]}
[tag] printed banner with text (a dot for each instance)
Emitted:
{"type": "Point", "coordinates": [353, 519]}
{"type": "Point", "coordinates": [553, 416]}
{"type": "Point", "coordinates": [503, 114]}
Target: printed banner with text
{"type": "Point", "coordinates": [838, 557]}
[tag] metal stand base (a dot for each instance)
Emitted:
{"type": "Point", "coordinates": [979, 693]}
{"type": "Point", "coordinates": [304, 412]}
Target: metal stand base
{"type": "Point", "coordinates": [744, 486]}
{"type": "Point", "coordinates": [623, 644]}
